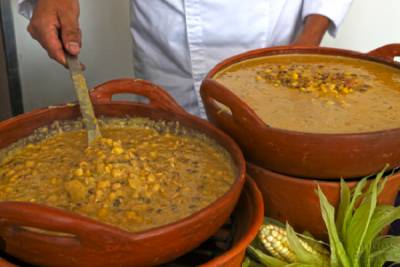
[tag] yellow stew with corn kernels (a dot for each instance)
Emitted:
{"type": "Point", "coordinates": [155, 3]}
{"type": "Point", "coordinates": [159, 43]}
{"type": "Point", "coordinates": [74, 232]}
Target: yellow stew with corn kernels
{"type": "Point", "coordinates": [142, 174]}
{"type": "Point", "coordinates": [316, 93]}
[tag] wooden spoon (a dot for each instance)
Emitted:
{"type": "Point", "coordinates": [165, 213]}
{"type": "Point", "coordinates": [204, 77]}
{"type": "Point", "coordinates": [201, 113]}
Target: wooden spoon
{"type": "Point", "coordinates": [82, 93]}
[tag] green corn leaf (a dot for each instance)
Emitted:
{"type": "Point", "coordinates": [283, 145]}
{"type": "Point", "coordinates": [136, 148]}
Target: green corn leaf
{"type": "Point", "coordinates": [381, 186]}
{"type": "Point", "coordinates": [246, 262]}
{"type": "Point", "coordinates": [255, 264]}
{"type": "Point", "coordinates": [306, 234]}
{"type": "Point", "coordinates": [365, 260]}
{"type": "Point", "coordinates": [268, 220]}
{"type": "Point", "coordinates": [383, 216]}
{"type": "Point", "coordinates": [249, 263]}
{"type": "Point", "coordinates": [339, 256]}
{"type": "Point", "coordinates": [301, 265]}
{"type": "Point", "coordinates": [344, 203]}
{"type": "Point", "coordinates": [359, 224]}
{"type": "Point", "coordinates": [303, 255]}
{"type": "Point", "coordinates": [376, 183]}
{"type": "Point", "coordinates": [317, 245]}
{"type": "Point", "coordinates": [385, 249]}
{"type": "Point", "coordinates": [358, 229]}
{"type": "Point", "coordinates": [265, 259]}
{"type": "Point", "coordinates": [348, 214]}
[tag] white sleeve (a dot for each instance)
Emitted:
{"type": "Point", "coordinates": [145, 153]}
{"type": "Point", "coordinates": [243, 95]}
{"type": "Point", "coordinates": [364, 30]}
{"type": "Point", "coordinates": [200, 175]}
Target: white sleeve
{"type": "Point", "coordinates": [335, 10]}
{"type": "Point", "coordinates": [25, 7]}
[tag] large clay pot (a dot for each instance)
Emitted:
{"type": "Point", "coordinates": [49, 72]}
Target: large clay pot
{"type": "Point", "coordinates": [326, 156]}
{"type": "Point", "coordinates": [247, 218]}
{"type": "Point", "coordinates": [294, 200]}
{"type": "Point", "coordinates": [87, 242]}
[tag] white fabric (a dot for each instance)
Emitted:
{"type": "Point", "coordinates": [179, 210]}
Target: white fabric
{"type": "Point", "coordinates": [25, 7]}
{"type": "Point", "coordinates": [176, 42]}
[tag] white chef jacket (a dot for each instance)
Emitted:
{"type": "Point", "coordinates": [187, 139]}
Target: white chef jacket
{"type": "Point", "coordinates": [176, 42]}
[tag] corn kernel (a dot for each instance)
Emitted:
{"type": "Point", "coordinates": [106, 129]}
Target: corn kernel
{"type": "Point", "coordinates": [112, 196]}
{"type": "Point", "coordinates": [29, 164]}
{"type": "Point", "coordinates": [78, 172]}
{"type": "Point", "coordinates": [116, 186]}
{"type": "Point", "coordinates": [116, 173]}
{"type": "Point", "coordinates": [117, 150]}
{"type": "Point", "coordinates": [103, 184]}
{"type": "Point", "coordinates": [259, 78]}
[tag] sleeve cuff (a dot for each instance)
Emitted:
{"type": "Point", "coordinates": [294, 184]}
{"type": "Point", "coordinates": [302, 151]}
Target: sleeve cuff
{"type": "Point", "coordinates": [25, 7]}
{"type": "Point", "coordinates": [335, 10]}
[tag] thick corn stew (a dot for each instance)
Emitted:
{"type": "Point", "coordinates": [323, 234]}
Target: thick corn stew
{"type": "Point", "coordinates": [319, 94]}
{"type": "Point", "coordinates": [141, 175]}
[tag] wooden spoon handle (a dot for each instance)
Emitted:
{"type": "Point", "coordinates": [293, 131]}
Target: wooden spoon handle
{"type": "Point", "coordinates": [82, 93]}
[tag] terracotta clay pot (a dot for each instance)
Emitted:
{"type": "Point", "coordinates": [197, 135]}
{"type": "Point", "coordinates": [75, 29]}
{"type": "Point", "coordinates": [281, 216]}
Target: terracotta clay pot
{"type": "Point", "coordinates": [247, 218]}
{"type": "Point", "coordinates": [326, 156]}
{"type": "Point", "coordinates": [294, 200]}
{"type": "Point", "coordinates": [4, 263]}
{"type": "Point", "coordinates": [55, 237]}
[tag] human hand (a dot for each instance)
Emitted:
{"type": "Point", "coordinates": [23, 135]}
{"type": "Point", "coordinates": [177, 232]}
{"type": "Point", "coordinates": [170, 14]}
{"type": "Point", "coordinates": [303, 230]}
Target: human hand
{"type": "Point", "coordinates": [55, 25]}
{"type": "Point", "coordinates": [314, 30]}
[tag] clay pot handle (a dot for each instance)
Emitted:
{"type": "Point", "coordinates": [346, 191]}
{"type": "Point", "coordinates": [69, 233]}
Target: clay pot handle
{"type": "Point", "coordinates": [242, 114]}
{"type": "Point", "coordinates": [29, 221]}
{"type": "Point", "coordinates": [158, 97]}
{"type": "Point", "coordinates": [386, 52]}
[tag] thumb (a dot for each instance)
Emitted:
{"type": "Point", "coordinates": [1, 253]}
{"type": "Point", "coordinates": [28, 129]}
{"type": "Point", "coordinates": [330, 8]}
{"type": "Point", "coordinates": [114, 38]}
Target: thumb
{"type": "Point", "coordinates": [70, 33]}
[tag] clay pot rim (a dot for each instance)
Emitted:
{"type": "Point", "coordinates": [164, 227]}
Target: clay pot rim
{"type": "Point", "coordinates": [284, 50]}
{"type": "Point", "coordinates": [323, 183]}
{"type": "Point", "coordinates": [236, 155]}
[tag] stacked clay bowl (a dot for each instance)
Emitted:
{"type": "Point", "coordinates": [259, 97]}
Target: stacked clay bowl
{"type": "Point", "coordinates": [294, 200]}
{"type": "Point", "coordinates": [288, 164]}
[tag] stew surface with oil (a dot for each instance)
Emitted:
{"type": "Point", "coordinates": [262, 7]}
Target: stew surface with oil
{"type": "Point", "coordinates": [318, 93]}
{"type": "Point", "coordinates": [141, 175]}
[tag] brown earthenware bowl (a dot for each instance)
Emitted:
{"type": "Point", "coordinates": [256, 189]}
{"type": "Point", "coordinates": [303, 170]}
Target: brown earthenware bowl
{"type": "Point", "coordinates": [47, 236]}
{"type": "Point", "coordinates": [326, 156]}
{"type": "Point", "coordinates": [247, 219]}
{"type": "Point", "coordinates": [294, 200]}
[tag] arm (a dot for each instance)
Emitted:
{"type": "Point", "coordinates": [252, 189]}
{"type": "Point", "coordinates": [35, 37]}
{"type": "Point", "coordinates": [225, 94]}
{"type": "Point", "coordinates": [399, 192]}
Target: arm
{"type": "Point", "coordinates": [55, 25]}
{"type": "Point", "coordinates": [315, 27]}
{"type": "Point", "coordinates": [319, 16]}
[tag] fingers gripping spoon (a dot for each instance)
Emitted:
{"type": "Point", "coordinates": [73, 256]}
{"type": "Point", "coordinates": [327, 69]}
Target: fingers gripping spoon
{"type": "Point", "coordinates": [82, 94]}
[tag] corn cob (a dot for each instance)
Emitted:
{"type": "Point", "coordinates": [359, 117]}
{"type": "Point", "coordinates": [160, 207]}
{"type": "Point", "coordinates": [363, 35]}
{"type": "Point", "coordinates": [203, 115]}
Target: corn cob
{"type": "Point", "coordinates": [275, 241]}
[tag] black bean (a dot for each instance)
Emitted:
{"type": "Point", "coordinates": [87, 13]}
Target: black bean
{"type": "Point", "coordinates": [117, 202]}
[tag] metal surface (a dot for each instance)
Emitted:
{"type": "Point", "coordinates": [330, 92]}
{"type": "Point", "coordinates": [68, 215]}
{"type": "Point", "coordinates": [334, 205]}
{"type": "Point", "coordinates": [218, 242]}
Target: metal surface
{"type": "Point", "coordinates": [5, 103]}
{"type": "Point", "coordinates": [82, 94]}
{"type": "Point", "coordinates": [11, 60]}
